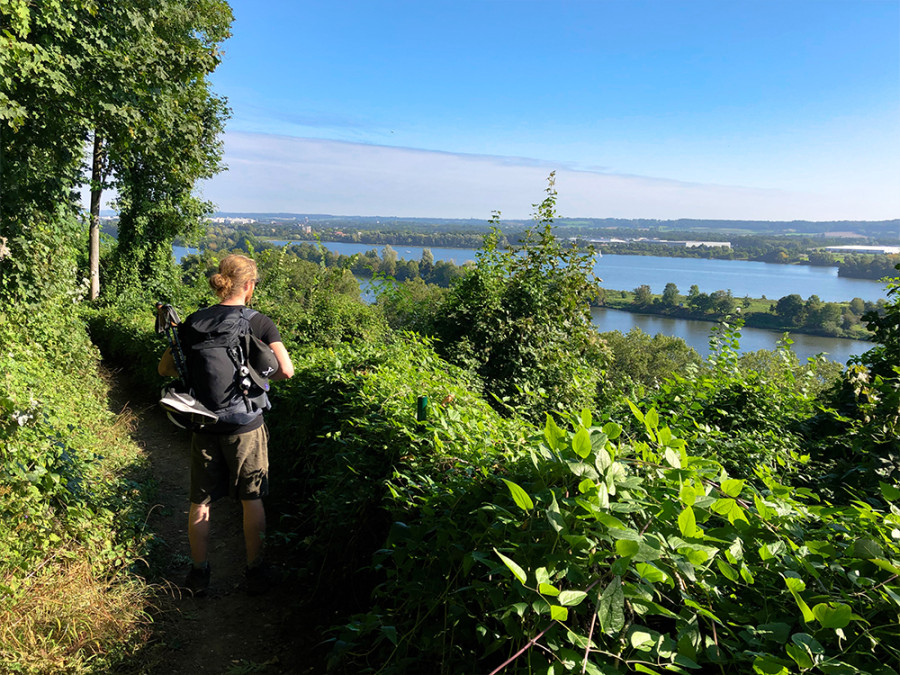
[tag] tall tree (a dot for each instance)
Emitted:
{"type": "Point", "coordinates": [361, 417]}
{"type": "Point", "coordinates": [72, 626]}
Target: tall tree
{"type": "Point", "coordinates": [129, 77]}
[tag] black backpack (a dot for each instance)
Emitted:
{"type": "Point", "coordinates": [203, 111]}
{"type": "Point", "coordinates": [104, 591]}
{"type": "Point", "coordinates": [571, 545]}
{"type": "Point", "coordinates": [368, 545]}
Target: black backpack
{"type": "Point", "coordinates": [227, 367]}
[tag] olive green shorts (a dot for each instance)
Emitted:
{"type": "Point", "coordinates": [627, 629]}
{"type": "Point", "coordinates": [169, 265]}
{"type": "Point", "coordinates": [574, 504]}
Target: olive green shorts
{"type": "Point", "coordinates": [233, 465]}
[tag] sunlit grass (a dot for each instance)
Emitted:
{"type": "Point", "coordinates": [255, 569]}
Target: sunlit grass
{"type": "Point", "coordinates": [66, 618]}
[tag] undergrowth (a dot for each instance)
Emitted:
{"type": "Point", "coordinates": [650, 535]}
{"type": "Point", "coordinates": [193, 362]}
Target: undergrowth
{"type": "Point", "coordinates": [71, 506]}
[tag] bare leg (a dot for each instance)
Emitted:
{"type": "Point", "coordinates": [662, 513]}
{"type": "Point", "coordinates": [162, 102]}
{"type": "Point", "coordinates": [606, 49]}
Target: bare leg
{"type": "Point", "coordinates": [254, 528]}
{"type": "Point", "coordinates": [198, 532]}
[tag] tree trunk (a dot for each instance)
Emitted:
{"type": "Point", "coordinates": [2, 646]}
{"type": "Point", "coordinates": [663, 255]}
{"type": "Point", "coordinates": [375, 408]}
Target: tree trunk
{"type": "Point", "coordinates": [96, 192]}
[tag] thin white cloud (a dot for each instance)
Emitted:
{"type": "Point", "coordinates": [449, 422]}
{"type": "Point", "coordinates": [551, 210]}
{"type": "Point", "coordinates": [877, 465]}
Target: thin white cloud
{"type": "Point", "coordinates": [269, 173]}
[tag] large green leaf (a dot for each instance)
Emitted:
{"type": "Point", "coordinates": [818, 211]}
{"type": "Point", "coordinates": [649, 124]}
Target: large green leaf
{"type": "Point", "coordinates": [558, 613]}
{"type": "Point", "coordinates": [554, 516]}
{"type": "Point", "coordinates": [611, 611]}
{"type": "Point", "coordinates": [687, 522]}
{"type": "Point", "coordinates": [833, 614]}
{"type": "Point", "coordinates": [571, 598]}
{"type": "Point", "coordinates": [732, 487]}
{"type": "Point", "coordinates": [581, 443]}
{"type": "Point", "coordinates": [520, 497]}
{"type": "Point", "coordinates": [513, 567]}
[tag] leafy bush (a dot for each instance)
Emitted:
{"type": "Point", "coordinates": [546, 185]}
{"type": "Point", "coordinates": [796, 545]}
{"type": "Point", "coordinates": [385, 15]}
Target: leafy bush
{"type": "Point", "coordinates": [742, 415]}
{"type": "Point", "coordinates": [521, 320]}
{"type": "Point", "coordinates": [605, 554]}
{"type": "Point", "coordinates": [71, 515]}
{"type": "Point", "coordinates": [639, 362]}
{"type": "Point", "coordinates": [344, 430]}
{"type": "Point", "coordinates": [858, 428]}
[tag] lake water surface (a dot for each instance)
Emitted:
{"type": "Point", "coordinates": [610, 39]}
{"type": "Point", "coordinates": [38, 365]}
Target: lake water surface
{"type": "Point", "coordinates": [626, 272]}
{"type": "Point", "coordinates": [741, 277]}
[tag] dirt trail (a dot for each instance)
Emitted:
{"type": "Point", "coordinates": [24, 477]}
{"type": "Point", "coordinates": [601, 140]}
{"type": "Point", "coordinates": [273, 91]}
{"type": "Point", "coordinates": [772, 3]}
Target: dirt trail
{"type": "Point", "coordinates": [227, 632]}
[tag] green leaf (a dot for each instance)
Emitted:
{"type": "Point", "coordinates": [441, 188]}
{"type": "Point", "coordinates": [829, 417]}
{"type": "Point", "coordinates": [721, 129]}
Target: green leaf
{"type": "Point", "coordinates": [889, 492]}
{"type": "Point", "coordinates": [651, 573]}
{"type": "Point", "coordinates": [611, 522]}
{"type": "Point", "coordinates": [611, 611]}
{"type": "Point", "coordinates": [571, 598]}
{"type": "Point", "coordinates": [548, 589]}
{"type": "Point", "coordinates": [553, 434]}
{"type": "Point", "coordinates": [695, 556]}
{"type": "Point", "coordinates": [651, 419]}
{"type": "Point", "coordinates": [627, 547]}
{"type": "Point", "coordinates": [541, 575]}
{"type": "Point", "coordinates": [867, 549]}
{"type": "Point", "coordinates": [520, 497]}
{"type": "Point", "coordinates": [723, 506]}
{"type": "Point", "coordinates": [391, 633]}
{"type": "Point", "coordinates": [513, 567]}
{"type": "Point", "coordinates": [833, 614]}
{"type": "Point", "coordinates": [636, 412]}
{"type": "Point", "coordinates": [581, 443]}
{"type": "Point", "coordinates": [554, 516]}
{"type": "Point", "coordinates": [796, 585]}
{"type": "Point", "coordinates": [558, 613]}
{"type": "Point", "coordinates": [727, 570]}
{"type": "Point", "coordinates": [732, 487]}
{"type": "Point", "coordinates": [602, 460]}
{"type": "Point", "coordinates": [586, 486]}
{"type": "Point", "coordinates": [687, 522]}
{"type": "Point", "coordinates": [612, 430]}
{"type": "Point", "coordinates": [688, 495]}
{"type": "Point", "coordinates": [603, 496]}
{"type": "Point", "coordinates": [586, 420]}
{"type": "Point", "coordinates": [673, 459]}
{"type": "Point", "coordinates": [800, 656]}
{"type": "Point", "coordinates": [808, 642]}
{"type": "Point", "coordinates": [641, 639]}
{"type": "Point", "coordinates": [764, 665]}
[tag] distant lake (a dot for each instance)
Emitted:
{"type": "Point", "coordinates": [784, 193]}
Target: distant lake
{"type": "Point", "coordinates": [696, 334]}
{"type": "Point", "coordinates": [627, 272]}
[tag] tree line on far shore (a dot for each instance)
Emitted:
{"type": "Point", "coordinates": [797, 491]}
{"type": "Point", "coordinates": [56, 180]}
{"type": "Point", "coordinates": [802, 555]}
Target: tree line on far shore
{"type": "Point", "coordinates": [789, 313]}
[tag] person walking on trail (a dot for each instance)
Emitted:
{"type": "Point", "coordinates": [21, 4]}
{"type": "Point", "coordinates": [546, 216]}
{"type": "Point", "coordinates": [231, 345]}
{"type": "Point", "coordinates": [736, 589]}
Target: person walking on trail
{"type": "Point", "coordinates": [229, 457]}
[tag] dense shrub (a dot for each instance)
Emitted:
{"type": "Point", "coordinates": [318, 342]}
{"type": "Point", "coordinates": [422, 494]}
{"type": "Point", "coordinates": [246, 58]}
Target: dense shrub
{"type": "Point", "coordinates": [71, 513]}
{"type": "Point", "coordinates": [521, 320]}
{"type": "Point", "coordinates": [345, 430]}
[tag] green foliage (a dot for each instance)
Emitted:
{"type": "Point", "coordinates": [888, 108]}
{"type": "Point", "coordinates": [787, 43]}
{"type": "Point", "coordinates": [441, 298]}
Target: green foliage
{"type": "Point", "coordinates": [745, 412]}
{"type": "Point", "coordinates": [69, 499]}
{"type": "Point", "coordinates": [859, 421]}
{"type": "Point", "coordinates": [132, 75]}
{"type": "Point", "coordinates": [346, 442]}
{"type": "Point", "coordinates": [640, 362]}
{"type": "Point", "coordinates": [521, 320]}
{"type": "Point", "coordinates": [606, 553]}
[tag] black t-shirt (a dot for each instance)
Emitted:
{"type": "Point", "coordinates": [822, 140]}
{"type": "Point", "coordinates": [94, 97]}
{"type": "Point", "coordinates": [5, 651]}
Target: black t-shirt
{"type": "Point", "coordinates": [262, 326]}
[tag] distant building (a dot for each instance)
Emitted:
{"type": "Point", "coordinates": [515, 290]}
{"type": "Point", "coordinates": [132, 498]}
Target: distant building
{"type": "Point", "coordinates": [664, 242]}
{"type": "Point", "coordinates": [881, 250]}
{"type": "Point", "coordinates": [689, 244]}
{"type": "Point", "coordinates": [232, 221]}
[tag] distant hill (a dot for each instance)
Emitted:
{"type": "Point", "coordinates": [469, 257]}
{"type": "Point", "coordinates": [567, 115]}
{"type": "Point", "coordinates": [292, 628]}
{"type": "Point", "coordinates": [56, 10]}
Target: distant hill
{"type": "Point", "coordinates": [887, 230]}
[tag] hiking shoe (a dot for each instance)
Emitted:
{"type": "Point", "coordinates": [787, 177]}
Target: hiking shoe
{"type": "Point", "coordinates": [197, 580]}
{"type": "Point", "coordinates": [260, 578]}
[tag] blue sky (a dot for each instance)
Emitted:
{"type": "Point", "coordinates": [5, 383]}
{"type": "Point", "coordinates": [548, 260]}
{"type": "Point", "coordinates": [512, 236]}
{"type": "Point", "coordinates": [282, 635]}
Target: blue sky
{"type": "Point", "coordinates": [736, 109]}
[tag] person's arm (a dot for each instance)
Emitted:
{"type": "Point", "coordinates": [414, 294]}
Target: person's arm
{"type": "Point", "coordinates": [285, 365]}
{"type": "Point", "coordinates": [166, 366]}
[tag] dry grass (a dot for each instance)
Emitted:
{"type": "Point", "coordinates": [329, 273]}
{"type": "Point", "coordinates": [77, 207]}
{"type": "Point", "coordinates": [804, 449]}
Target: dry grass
{"type": "Point", "coordinates": [64, 619]}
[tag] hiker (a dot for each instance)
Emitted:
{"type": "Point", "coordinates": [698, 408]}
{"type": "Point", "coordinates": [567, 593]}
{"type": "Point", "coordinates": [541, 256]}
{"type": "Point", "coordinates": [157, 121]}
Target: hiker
{"type": "Point", "coordinates": [229, 457]}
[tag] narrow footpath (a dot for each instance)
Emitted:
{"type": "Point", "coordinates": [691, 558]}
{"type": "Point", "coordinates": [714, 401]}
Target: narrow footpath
{"type": "Point", "coordinates": [226, 632]}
